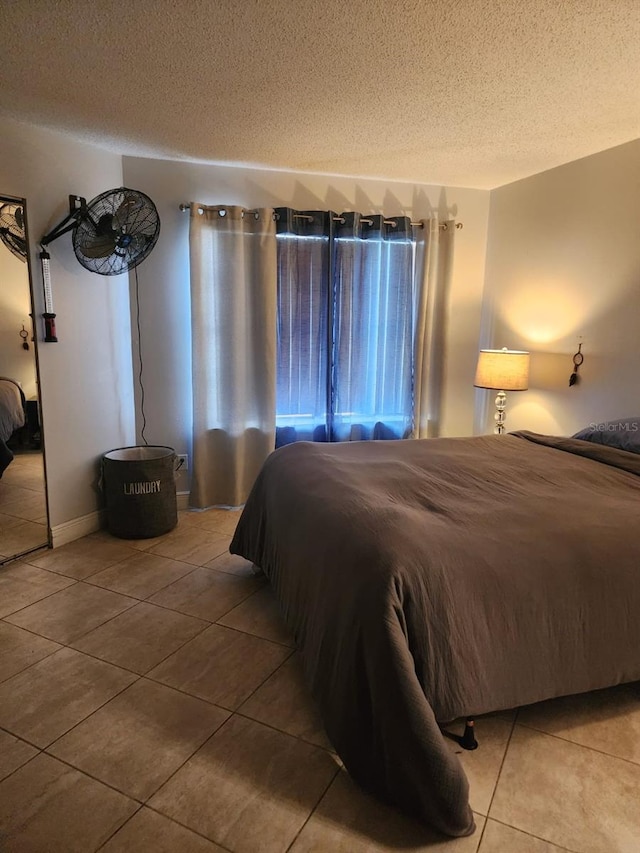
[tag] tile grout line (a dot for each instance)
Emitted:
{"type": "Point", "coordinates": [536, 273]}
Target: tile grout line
{"type": "Point", "coordinates": [22, 740]}
{"type": "Point", "coordinates": [189, 828]}
{"type": "Point", "coordinates": [112, 786]}
{"type": "Point", "coordinates": [537, 837]}
{"type": "Point", "coordinates": [87, 579]}
{"type": "Point", "coordinates": [28, 761]}
{"type": "Point", "coordinates": [5, 618]}
{"type": "Point", "coordinates": [95, 710]}
{"type": "Point", "coordinates": [495, 787]}
{"type": "Point", "coordinates": [116, 831]}
{"type": "Point", "coordinates": [89, 776]}
{"type": "Point", "coordinates": [29, 665]}
{"type": "Point", "coordinates": [313, 810]}
{"type": "Point", "coordinates": [173, 609]}
{"type": "Point", "coordinates": [511, 826]}
{"type": "Point", "coordinates": [43, 751]}
{"type": "Point", "coordinates": [192, 568]}
{"type": "Point", "coordinates": [130, 595]}
{"type": "Point", "coordinates": [222, 615]}
{"type": "Point", "coordinates": [240, 630]}
{"type": "Point", "coordinates": [231, 710]}
{"type": "Point", "coordinates": [134, 601]}
{"type": "Point", "coordinates": [179, 768]}
{"type": "Point", "coordinates": [580, 745]}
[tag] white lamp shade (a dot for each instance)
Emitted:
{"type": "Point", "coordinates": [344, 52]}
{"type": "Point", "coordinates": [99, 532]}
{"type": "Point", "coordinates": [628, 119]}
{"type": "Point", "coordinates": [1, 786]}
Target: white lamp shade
{"type": "Point", "coordinates": [502, 369]}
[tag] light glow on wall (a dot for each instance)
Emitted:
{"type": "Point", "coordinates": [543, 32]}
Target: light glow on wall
{"type": "Point", "coordinates": [545, 312]}
{"type": "Point", "coordinates": [531, 411]}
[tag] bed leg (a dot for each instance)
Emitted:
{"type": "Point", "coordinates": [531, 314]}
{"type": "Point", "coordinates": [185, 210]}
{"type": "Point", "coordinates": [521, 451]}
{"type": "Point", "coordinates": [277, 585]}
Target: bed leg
{"type": "Point", "coordinates": [468, 739]}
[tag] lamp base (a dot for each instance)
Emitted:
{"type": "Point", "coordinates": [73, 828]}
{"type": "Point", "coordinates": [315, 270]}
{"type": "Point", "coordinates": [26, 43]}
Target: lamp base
{"type": "Point", "coordinates": [500, 417]}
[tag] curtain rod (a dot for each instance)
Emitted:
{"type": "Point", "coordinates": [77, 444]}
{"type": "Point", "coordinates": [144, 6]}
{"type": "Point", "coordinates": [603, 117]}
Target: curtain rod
{"type": "Point", "coordinates": [444, 226]}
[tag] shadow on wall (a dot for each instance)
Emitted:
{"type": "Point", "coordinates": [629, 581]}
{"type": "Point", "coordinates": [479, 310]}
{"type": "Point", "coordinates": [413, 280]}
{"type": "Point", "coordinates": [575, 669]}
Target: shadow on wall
{"type": "Point", "coordinates": [421, 203]}
{"type": "Point", "coordinates": [336, 200]}
{"type": "Point", "coordinates": [298, 197]}
{"type": "Point", "coordinates": [445, 210]}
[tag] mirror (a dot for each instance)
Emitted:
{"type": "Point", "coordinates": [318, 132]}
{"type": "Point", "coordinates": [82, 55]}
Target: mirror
{"type": "Point", "coordinates": [24, 525]}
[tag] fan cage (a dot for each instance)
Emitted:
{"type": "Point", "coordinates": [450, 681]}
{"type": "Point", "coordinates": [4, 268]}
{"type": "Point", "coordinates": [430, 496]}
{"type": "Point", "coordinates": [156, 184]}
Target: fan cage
{"type": "Point", "coordinates": [116, 232]}
{"type": "Point", "coordinates": [12, 231]}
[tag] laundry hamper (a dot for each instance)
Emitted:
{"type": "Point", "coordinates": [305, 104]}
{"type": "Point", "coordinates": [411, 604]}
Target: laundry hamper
{"type": "Point", "coordinates": [140, 491]}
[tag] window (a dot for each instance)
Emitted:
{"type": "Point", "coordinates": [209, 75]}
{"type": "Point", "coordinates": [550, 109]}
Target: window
{"type": "Point", "coordinates": [346, 294]}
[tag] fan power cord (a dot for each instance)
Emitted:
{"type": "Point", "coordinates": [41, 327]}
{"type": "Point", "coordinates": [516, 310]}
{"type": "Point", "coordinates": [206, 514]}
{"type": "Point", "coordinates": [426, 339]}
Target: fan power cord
{"type": "Point", "coordinates": [144, 419]}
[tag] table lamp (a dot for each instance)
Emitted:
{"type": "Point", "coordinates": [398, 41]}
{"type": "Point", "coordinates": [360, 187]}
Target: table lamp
{"type": "Point", "coordinates": [503, 370]}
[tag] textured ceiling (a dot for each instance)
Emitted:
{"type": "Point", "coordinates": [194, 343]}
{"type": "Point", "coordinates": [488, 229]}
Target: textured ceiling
{"type": "Point", "coordinates": [472, 93]}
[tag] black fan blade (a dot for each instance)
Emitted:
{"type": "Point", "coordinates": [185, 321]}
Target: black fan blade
{"type": "Point", "coordinates": [100, 246]}
{"type": "Point", "coordinates": [106, 225]}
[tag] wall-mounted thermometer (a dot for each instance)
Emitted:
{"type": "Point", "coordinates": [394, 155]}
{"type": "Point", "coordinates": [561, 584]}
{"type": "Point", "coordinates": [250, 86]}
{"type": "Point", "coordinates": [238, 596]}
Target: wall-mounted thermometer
{"type": "Point", "coordinates": [49, 316]}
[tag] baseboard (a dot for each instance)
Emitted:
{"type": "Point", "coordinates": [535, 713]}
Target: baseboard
{"type": "Point", "coordinates": [68, 531]}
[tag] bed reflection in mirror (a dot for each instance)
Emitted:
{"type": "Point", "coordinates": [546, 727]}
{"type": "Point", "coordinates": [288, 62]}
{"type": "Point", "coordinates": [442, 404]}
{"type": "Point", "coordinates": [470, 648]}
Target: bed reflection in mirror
{"type": "Point", "coordinates": [23, 506]}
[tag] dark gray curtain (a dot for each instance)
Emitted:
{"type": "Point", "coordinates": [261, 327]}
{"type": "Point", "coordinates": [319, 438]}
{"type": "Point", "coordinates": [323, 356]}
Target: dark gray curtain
{"type": "Point", "coordinates": [345, 319]}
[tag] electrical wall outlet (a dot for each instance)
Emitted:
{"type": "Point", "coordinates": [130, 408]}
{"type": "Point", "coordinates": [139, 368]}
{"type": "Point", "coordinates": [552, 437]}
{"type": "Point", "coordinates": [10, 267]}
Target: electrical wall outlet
{"type": "Point", "coordinates": [183, 462]}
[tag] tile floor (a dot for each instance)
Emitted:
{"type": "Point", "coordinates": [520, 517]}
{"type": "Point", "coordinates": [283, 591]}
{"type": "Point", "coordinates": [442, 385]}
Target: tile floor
{"type": "Point", "coordinates": [23, 511]}
{"type": "Point", "coordinates": [151, 700]}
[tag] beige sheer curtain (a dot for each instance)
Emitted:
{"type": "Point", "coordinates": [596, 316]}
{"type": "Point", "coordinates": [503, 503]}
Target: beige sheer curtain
{"type": "Point", "coordinates": [434, 246]}
{"type": "Point", "coordinates": [233, 322]}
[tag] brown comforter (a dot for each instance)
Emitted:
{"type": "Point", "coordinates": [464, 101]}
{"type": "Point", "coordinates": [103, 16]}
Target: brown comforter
{"type": "Point", "coordinates": [433, 579]}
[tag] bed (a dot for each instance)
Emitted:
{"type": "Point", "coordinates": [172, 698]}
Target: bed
{"type": "Point", "coordinates": [12, 417]}
{"type": "Point", "coordinates": [430, 580]}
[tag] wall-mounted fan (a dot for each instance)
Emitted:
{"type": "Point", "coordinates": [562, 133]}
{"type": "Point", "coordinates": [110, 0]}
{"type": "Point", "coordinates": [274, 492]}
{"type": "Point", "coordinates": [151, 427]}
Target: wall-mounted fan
{"type": "Point", "coordinates": [12, 232]}
{"type": "Point", "coordinates": [111, 234]}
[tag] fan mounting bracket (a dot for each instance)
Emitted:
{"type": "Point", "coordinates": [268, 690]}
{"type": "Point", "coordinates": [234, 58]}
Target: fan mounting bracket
{"type": "Point", "coordinates": [77, 210]}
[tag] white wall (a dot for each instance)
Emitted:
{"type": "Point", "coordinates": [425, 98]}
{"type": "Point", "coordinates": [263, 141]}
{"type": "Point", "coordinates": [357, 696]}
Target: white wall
{"type": "Point", "coordinates": [15, 308]}
{"type": "Point", "coordinates": [563, 261]}
{"type": "Point", "coordinates": [164, 281]}
{"type": "Point", "coordinates": [86, 378]}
